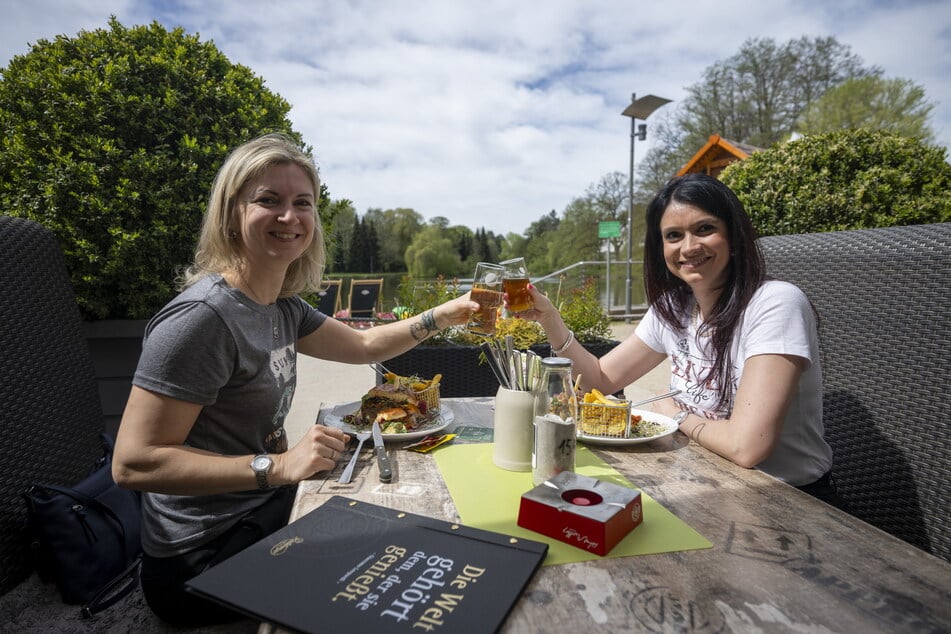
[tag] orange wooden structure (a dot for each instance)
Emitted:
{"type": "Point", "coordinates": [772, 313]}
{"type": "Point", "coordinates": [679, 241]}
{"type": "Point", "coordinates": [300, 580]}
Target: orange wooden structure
{"type": "Point", "coordinates": [715, 155]}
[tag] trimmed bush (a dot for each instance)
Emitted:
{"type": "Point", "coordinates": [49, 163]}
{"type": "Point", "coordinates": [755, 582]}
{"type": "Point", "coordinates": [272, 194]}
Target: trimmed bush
{"type": "Point", "coordinates": [111, 139]}
{"type": "Point", "coordinates": [850, 179]}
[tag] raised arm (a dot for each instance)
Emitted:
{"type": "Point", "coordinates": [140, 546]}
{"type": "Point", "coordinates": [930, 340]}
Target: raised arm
{"type": "Point", "coordinates": [335, 341]}
{"type": "Point", "coordinates": [626, 363]}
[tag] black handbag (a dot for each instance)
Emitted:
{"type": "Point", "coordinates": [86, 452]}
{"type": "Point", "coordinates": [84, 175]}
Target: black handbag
{"type": "Point", "coordinates": [87, 537]}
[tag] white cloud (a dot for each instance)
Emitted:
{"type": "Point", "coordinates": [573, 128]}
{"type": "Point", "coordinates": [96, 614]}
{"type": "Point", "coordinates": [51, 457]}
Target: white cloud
{"type": "Point", "coordinates": [488, 112]}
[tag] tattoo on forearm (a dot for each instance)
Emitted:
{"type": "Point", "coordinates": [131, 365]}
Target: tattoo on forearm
{"type": "Point", "coordinates": [425, 326]}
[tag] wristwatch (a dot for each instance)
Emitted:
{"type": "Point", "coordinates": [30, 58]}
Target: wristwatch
{"type": "Point", "coordinates": [261, 465]}
{"type": "Point", "coordinates": [679, 417]}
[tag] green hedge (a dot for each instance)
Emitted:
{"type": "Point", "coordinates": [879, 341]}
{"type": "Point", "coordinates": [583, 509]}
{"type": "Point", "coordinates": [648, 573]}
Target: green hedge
{"type": "Point", "coordinates": [111, 139]}
{"type": "Point", "coordinates": [850, 179]}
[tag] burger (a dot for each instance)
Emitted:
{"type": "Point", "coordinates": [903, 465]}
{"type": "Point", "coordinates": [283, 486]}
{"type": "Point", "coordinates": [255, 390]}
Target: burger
{"type": "Point", "coordinates": [395, 407]}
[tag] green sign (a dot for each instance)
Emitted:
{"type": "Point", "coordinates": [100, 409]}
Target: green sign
{"type": "Point", "coordinates": [609, 229]}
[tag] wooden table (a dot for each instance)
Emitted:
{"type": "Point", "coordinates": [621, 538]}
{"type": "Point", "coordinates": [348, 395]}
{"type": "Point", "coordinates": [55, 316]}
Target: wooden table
{"type": "Point", "coordinates": [781, 560]}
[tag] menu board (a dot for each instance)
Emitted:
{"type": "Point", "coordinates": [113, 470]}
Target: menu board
{"type": "Point", "coordinates": [368, 568]}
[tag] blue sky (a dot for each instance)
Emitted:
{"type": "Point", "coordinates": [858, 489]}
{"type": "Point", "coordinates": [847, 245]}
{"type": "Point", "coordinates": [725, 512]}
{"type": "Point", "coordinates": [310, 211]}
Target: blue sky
{"type": "Point", "coordinates": [490, 112]}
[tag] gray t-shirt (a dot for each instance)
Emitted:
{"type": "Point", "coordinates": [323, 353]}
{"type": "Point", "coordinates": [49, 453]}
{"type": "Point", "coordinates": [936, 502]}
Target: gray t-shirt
{"type": "Point", "coordinates": [214, 346]}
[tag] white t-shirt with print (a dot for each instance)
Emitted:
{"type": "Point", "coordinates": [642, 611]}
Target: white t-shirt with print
{"type": "Point", "coordinates": [778, 320]}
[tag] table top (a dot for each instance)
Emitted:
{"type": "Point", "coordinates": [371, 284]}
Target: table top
{"type": "Point", "coordinates": [781, 560]}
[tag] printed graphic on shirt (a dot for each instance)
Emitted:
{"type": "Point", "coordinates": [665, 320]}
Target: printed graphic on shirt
{"type": "Point", "coordinates": [283, 366]}
{"type": "Point", "coordinates": [691, 370]}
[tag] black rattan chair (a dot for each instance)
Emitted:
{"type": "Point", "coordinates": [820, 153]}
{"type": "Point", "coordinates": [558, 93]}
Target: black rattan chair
{"type": "Point", "coordinates": [884, 303]}
{"type": "Point", "coordinates": [50, 415]}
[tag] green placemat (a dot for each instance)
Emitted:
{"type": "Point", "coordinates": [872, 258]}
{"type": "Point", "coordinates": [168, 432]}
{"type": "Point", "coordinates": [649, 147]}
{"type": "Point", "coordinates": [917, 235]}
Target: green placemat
{"type": "Point", "coordinates": [488, 497]}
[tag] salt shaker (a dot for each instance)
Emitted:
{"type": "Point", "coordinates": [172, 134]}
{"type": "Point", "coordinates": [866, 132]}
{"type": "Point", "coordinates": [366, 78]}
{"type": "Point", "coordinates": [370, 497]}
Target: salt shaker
{"type": "Point", "coordinates": [556, 409]}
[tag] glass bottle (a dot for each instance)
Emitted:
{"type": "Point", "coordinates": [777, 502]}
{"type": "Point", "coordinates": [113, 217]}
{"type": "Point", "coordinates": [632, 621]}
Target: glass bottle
{"type": "Point", "coordinates": [555, 393]}
{"type": "Point", "coordinates": [556, 409]}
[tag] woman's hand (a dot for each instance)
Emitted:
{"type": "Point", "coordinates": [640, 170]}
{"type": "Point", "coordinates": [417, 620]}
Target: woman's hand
{"type": "Point", "coordinates": [542, 310]}
{"type": "Point", "coordinates": [455, 312]}
{"type": "Point", "coordinates": [318, 450]}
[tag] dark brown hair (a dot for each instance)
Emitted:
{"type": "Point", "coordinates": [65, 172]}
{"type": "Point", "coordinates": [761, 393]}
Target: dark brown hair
{"type": "Point", "coordinates": [670, 296]}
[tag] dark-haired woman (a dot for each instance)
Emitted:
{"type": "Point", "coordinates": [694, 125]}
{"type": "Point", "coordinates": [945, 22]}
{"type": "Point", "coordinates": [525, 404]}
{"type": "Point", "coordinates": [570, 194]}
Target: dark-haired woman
{"type": "Point", "coordinates": [743, 349]}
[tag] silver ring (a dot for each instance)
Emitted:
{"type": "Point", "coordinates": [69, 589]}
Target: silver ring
{"type": "Point", "coordinates": [333, 454]}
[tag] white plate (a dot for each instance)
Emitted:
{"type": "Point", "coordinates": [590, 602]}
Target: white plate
{"type": "Point", "coordinates": [669, 427]}
{"type": "Point", "coordinates": [335, 418]}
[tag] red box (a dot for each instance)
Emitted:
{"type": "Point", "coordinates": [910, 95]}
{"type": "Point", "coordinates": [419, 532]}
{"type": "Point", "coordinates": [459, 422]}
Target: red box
{"type": "Point", "coordinates": [584, 512]}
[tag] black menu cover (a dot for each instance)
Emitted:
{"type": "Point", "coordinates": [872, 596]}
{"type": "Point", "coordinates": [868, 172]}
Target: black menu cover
{"type": "Point", "coordinates": [352, 566]}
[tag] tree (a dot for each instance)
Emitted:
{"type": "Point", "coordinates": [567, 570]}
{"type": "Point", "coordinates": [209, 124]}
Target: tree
{"type": "Point", "coordinates": [608, 201]}
{"type": "Point", "coordinates": [513, 246]}
{"type": "Point", "coordinates": [398, 227]}
{"type": "Point", "coordinates": [433, 253]}
{"type": "Point", "coordinates": [576, 237]}
{"type": "Point", "coordinates": [757, 95]}
{"type": "Point", "coordinates": [874, 103]}
{"type": "Point", "coordinates": [848, 179]}
{"type": "Point", "coordinates": [111, 139]}
{"type": "Point", "coordinates": [483, 248]}
{"type": "Point", "coordinates": [536, 242]}
{"type": "Point", "coordinates": [463, 238]}
{"type": "Point", "coordinates": [339, 236]}
{"type": "Point", "coordinates": [667, 155]}
{"type": "Point", "coordinates": [364, 253]}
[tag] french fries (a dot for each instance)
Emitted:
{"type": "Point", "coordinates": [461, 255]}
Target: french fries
{"type": "Point", "coordinates": [427, 391]}
{"type": "Point", "coordinates": [595, 396]}
{"type": "Point", "coordinates": [413, 381]}
{"type": "Point", "coordinates": [604, 416]}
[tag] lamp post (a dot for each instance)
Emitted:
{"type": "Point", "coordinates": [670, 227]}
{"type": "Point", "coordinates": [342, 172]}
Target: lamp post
{"type": "Point", "coordinates": [639, 109]}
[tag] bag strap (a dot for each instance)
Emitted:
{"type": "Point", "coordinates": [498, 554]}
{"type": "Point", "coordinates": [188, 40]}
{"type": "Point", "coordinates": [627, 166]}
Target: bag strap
{"type": "Point", "coordinates": [125, 581]}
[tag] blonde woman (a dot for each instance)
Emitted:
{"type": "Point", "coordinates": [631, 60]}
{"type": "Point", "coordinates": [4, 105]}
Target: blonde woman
{"type": "Point", "coordinates": [203, 432]}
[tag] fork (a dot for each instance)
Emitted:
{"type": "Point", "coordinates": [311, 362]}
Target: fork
{"type": "Point", "coordinates": [347, 474]}
{"type": "Point", "coordinates": [380, 369]}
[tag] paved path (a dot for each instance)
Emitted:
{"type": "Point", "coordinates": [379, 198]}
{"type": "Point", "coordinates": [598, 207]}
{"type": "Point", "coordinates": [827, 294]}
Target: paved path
{"type": "Point", "coordinates": [320, 381]}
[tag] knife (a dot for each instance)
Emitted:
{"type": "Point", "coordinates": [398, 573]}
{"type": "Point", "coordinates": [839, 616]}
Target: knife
{"type": "Point", "coordinates": [386, 473]}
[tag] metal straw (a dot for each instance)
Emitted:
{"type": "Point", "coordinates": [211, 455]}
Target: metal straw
{"type": "Point", "coordinates": [489, 353]}
{"type": "Point", "coordinates": [656, 398]}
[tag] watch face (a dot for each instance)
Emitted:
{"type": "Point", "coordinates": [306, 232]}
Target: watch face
{"type": "Point", "coordinates": [261, 463]}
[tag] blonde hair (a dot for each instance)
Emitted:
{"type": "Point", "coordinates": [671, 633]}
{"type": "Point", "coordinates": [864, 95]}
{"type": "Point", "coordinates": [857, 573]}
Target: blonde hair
{"type": "Point", "coordinates": [218, 251]}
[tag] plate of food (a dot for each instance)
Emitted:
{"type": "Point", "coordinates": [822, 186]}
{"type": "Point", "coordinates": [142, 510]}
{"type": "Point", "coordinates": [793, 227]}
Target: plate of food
{"type": "Point", "coordinates": [645, 427]}
{"type": "Point", "coordinates": [401, 414]}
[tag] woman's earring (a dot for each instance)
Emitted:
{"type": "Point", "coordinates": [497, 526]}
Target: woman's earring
{"type": "Point", "coordinates": [232, 235]}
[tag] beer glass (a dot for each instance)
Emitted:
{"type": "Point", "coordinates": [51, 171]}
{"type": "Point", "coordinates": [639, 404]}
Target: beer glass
{"type": "Point", "coordinates": [515, 284]}
{"type": "Point", "coordinates": [487, 292]}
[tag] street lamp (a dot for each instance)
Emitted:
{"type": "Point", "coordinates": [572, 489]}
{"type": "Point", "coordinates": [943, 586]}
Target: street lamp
{"type": "Point", "coordinates": [639, 109]}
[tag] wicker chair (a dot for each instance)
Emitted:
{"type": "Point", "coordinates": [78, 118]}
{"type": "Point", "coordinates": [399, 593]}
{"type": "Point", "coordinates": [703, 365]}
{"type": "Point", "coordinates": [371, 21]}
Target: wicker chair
{"type": "Point", "coordinates": [884, 303]}
{"type": "Point", "coordinates": [50, 415]}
